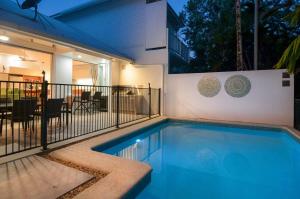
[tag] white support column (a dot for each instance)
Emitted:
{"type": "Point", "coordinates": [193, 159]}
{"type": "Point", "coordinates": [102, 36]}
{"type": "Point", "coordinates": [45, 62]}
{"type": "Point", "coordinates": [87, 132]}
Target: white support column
{"type": "Point", "coordinates": [61, 73]}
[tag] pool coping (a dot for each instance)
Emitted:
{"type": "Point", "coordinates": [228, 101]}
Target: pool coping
{"type": "Point", "coordinates": [126, 178]}
{"type": "Point", "coordinates": [292, 131]}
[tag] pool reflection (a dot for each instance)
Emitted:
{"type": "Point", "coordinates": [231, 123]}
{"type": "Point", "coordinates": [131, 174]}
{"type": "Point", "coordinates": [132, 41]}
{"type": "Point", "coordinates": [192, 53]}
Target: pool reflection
{"type": "Point", "coordinates": [142, 148]}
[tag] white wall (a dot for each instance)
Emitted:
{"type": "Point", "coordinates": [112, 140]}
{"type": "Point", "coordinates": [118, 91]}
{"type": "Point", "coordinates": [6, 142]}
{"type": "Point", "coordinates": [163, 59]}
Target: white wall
{"type": "Point", "coordinates": [140, 76]}
{"type": "Point", "coordinates": [82, 74]}
{"type": "Point", "coordinates": [128, 26]}
{"type": "Point", "coordinates": [268, 102]}
{"type": "Point", "coordinates": [156, 28]}
{"type": "Point", "coordinates": [61, 70]}
{"type": "Point", "coordinates": [115, 73]}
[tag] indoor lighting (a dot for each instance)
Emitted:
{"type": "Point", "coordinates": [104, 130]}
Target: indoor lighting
{"type": "Point", "coordinates": [79, 56]}
{"type": "Point", "coordinates": [4, 38]}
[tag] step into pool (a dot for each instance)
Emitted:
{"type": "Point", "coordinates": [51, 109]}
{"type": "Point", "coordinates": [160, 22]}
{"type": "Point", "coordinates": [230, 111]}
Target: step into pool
{"type": "Point", "coordinates": [214, 161]}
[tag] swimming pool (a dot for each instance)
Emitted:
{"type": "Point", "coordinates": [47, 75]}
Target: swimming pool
{"type": "Point", "coordinates": [199, 160]}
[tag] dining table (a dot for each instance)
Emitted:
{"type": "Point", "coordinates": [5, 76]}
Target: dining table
{"type": "Point", "coordinates": [6, 108]}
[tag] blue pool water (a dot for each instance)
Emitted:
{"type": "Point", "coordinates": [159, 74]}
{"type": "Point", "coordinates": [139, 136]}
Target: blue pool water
{"type": "Point", "coordinates": [194, 160]}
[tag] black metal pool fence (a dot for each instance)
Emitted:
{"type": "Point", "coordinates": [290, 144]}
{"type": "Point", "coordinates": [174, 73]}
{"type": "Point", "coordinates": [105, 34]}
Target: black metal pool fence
{"type": "Point", "coordinates": [38, 114]}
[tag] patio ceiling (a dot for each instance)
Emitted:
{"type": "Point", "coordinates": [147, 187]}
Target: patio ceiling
{"type": "Point", "coordinates": [14, 18]}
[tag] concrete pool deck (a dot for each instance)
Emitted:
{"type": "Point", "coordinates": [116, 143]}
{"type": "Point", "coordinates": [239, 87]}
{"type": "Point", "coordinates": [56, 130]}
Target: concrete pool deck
{"type": "Point", "coordinates": [35, 177]}
{"type": "Point", "coordinates": [125, 177]}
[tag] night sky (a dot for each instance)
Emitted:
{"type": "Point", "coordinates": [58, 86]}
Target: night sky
{"type": "Point", "coordinates": [50, 7]}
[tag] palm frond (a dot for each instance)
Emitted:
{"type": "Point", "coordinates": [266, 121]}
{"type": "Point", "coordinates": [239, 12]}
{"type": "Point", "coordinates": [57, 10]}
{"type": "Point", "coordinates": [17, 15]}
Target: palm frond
{"type": "Point", "coordinates": [295, 17]}
{"type": "Point", "coordinates": [290, 56]}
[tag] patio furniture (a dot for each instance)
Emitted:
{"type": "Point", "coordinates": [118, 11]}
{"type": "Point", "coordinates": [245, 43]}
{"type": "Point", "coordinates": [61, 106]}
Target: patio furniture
{"type": "Point", "coordinates": [22, 112]}
{"type": "Point", "coordinates": [29, 98]}
{"type": "Point", "coordinates": [54, 109]}
{"type": "Point", "coordinates": [68, 107]}
{"type": "Point", "coordinates": [35, 98]}
{"type": "Point", "coordinates": [84, 101]}
{"type": "Point", "coordinates": [5, 100]}
{"type": "Point", "coordinates": [5, 108]}
{"type": "Point", "coordinates": [104, 104]}
{"type": "Point", "coordinates": [96, 101]}
{"type": "Point", "coordinates": [131, 104]}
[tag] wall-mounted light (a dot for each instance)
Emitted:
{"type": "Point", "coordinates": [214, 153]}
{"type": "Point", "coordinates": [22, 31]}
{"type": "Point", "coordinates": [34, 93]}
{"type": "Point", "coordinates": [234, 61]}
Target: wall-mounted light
{"type": "Point", "coordinates": [4, 38]}
{"type": "Point", "coordinates": [138, 141]}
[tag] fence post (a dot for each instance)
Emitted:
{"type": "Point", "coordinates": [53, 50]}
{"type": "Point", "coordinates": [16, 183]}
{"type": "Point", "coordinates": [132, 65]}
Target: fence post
{"type": "Point", "coordinates": [44, 96]}
{"type": "Point", "coordinates": [159, 101]}
{"type": "Point", "coordinates": [149, 100]}
{"type": "Point", "coordinates": [118, 107]}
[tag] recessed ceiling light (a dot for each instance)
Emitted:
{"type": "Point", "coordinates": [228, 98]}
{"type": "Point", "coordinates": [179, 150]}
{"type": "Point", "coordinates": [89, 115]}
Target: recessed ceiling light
{"type": "Point", "coordinates": [79, 56]}
{"type": "Point", "coordinates": [4, 38]}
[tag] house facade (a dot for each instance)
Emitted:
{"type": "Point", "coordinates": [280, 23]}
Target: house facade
{"type": "Point", "coordinates": [83, 94]}
{"type": "Point", "coordinates": [145, 30]}
{"type": "Point", "coordinates": [132, 43]}
{"type": "Point", "coordinates": [67, 55]}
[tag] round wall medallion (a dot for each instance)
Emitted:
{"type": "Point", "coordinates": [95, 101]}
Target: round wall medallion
{"type": "Point", "coordinates": [209, 86]}
{"type": "Point", "coordinates": [237, 86]}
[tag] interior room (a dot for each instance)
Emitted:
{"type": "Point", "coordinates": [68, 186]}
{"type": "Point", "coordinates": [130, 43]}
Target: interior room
{"type": "Point", "coordinates": [20, 64]}
{"type": "Point", "coordinates": [90, 70]}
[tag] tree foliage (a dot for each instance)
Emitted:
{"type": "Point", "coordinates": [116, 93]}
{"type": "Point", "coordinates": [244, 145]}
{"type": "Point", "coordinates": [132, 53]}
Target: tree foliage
{"type": "Point", "coordinates": [291, 55]}
{"type": "Point", "coordinates": [210, 32]}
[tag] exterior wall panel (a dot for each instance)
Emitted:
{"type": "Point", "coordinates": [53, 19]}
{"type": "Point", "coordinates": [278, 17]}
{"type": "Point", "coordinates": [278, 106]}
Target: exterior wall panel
{"type": "Point", "coordinates": [128, 26]}
{"type": "Point", "coordinates": [268, 101]}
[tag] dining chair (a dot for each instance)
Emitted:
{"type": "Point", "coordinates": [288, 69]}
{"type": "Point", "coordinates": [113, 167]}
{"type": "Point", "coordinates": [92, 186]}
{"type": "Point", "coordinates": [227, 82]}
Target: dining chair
{"type": "Point", "coordinates": [54, 110]}
{"type": "Point", "coordinates": [5, 108]}
{"type": "Point", "coordinates": [96, 100]}
{"type": "Point", "coordinates": [22, 112]}
{"type": "Point", "coordinates": [84, 101]}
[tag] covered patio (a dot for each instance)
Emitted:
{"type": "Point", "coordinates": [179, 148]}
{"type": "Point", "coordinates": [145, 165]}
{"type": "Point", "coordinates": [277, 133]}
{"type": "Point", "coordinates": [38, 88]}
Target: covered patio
{"type": "Point", "coordinates": [58, 83]}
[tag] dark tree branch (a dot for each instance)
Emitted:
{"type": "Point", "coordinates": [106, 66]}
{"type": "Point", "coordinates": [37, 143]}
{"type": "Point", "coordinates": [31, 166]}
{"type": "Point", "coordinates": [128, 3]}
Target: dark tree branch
{"type": "Point", "coordinates": [277, 6]}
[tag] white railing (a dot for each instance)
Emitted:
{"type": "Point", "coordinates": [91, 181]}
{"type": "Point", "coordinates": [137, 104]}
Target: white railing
{"type": "Point", "coordinates": [178, 47]}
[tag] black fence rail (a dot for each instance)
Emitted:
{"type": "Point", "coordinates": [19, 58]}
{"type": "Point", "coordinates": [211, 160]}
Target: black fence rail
{"type": "Point", "coordinates": [19, 124]}
{"type": "Point", "coordinates": [38, 114]}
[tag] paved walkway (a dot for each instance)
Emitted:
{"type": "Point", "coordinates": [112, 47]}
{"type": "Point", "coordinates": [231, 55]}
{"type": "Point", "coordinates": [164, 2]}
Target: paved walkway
{"type": "Point", "coordinates": [35, 177]}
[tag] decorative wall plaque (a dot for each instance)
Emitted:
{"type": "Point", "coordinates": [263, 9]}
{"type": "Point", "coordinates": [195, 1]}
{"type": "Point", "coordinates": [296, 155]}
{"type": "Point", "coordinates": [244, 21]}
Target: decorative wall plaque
{"type": "Point", "coordinates": [237, 86]}
{"type": "Point", "coordinates": [209, 86]}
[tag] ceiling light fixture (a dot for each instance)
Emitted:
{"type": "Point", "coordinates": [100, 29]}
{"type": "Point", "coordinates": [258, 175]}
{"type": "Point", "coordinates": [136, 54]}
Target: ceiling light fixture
{"type": "Point", "coordinates": [4, 38]}
{"type": "Point", "coordinates": [79, 56]}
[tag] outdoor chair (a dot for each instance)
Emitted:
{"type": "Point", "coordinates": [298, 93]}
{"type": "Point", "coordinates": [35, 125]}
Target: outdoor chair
{"type": "Point", "coordinates": [96, 100]}
{"type": "Point", "coordinates": [68, 107]}
{"type": "Point", "coordinates": [29, 98]}
{"type": "Point", "coordinates": [5, 108]}
{"type": "Point", "coordinates": [23, 112]}
{"type": "Point", "coordinates": [32, 98]}
{"type": "Point", "coordinates": [84, 101]}
{"type": "Point", "coordinates": [54, 110]}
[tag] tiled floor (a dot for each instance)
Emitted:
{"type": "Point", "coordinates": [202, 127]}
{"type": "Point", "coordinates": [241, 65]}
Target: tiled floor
{"type": "Point", "coordinates": [38, 178]}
